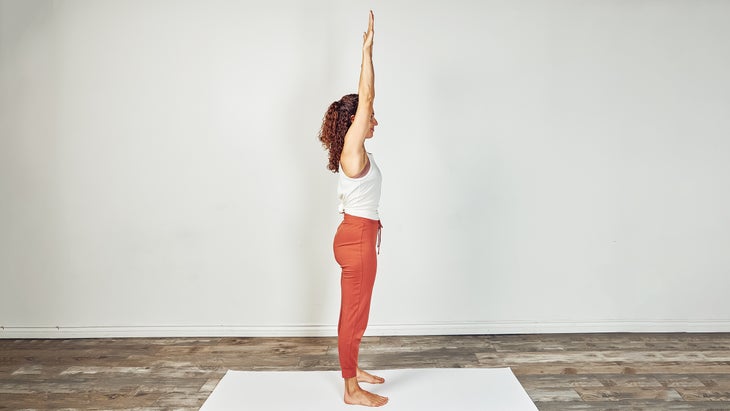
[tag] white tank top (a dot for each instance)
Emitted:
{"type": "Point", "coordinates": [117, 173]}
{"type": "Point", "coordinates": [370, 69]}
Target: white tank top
{"type": "Point", "coordinates": [361, 196]}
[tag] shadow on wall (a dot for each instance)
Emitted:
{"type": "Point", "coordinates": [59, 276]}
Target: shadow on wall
{"type": "Point", "coordinates": [33, 231]}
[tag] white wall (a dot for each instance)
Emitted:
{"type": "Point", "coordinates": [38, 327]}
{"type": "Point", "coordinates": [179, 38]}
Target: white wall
{"type": "Point", "coordinates": [550, 166]}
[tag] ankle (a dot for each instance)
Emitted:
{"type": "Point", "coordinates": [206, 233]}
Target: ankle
{"type": "Point", "coordinates": [351, 385]}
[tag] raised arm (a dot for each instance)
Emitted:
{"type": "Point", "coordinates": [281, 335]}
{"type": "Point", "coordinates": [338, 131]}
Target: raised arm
{"type": "Point", "coordinates": [354, 158]}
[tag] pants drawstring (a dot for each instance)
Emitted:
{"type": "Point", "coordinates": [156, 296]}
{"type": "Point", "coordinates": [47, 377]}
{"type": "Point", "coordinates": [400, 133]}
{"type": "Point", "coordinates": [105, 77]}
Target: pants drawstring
{"type": "Point", "coordinates": [380, 228]}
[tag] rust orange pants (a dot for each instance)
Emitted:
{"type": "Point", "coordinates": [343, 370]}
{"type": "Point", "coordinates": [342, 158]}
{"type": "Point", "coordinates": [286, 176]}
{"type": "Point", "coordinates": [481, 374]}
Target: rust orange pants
{"type": "Point", "coordinates": [355, 243]}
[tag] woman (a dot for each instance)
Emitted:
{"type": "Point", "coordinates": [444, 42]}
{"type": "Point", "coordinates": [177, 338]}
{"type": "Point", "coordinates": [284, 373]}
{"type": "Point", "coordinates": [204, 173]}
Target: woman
{"type": "Point", "coordinates": [347, 124]}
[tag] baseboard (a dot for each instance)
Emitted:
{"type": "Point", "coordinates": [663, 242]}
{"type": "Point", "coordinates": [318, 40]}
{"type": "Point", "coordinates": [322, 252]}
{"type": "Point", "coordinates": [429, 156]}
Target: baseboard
{"type": "Point", "coordinates": [446, 328]}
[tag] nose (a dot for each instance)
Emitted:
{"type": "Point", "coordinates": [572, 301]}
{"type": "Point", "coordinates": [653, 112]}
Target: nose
{"type": "Point", "coordinates": [375, 121]}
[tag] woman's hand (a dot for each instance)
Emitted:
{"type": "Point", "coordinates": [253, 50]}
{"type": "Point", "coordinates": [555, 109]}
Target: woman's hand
{"type": "Point", "coordinates": [367, 37]}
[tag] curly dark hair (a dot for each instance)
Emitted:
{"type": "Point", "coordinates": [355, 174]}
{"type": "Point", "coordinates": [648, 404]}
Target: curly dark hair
{"type": "Point", "coordinates": [335, 124]}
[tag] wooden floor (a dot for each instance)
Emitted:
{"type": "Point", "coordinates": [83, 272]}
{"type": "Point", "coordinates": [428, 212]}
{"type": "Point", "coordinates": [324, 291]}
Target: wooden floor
{"type": "Point", "coordinates": [559, 371]}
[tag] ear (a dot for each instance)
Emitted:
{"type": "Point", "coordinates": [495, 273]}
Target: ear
{"type": "Point", "coordinates": [352, 118]}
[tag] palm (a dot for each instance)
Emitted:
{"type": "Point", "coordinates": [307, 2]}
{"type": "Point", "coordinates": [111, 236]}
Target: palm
{"type": "Point", "coordinates": [367, 37]}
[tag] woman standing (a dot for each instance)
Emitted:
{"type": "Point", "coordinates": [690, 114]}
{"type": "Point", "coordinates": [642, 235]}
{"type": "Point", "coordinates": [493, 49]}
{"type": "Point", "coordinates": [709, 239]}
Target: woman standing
{"type": "Point", "coordinates": [347, 124]}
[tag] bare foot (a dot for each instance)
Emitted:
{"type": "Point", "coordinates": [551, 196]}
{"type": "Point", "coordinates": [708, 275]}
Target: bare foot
{"type": "Point", "coordinates": [354, 395]}
{"type": "Point", "coordinates": [363, 376]}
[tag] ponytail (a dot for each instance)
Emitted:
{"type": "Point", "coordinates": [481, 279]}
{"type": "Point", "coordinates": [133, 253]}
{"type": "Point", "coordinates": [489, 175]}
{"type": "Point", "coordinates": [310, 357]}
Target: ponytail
{"type": "Point", "coordinates": [335, 124]}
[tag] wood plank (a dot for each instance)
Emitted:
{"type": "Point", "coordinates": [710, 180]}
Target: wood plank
{"type": "Point", "coordinates": [619, 371]}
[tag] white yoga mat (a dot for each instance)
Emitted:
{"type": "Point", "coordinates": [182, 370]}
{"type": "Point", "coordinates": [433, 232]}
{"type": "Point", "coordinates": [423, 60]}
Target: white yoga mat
{"type": "Point", "coordinates": [463, 389]}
